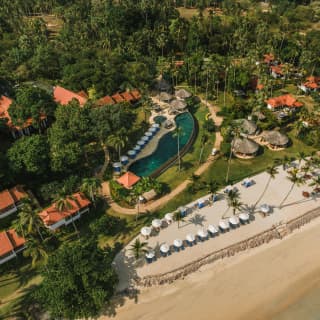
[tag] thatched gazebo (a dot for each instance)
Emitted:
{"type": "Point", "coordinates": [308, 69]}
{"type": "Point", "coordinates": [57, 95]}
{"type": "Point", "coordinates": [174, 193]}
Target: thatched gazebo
{"type": "Point", "coordinates": [182, 94]}
{"type": "Point", "coordinates": [178, 105]}
{"type": "Point", "coordinates": [248, 127]}
{"type": "Point", "coordinates": [274, 140]}
{"type": "Point", "coordinates": [244, 148]}
{"type": "Point", "coordinates": [165, 97]}
{"type": "Point", "coordinates": [161, 84]}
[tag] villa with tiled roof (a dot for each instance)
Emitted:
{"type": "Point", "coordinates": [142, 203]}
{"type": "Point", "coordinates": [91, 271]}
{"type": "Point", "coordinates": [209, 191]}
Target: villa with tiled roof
{"type": "Point", "coordinates": [64, 96]}
{"type": "Point", "coordinates": [10, 200]}
{"type": "Point", "coordinates": [10, 244]}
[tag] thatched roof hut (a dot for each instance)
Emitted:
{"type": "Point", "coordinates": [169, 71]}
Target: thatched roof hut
{"type": "Point", "coordinates": [248, 126]}
{"type": "Point", "coordinates": [178, 104]}
{"type": "Point", "coordinates": [244, 147]}
{"type": "Point", "coordinates": [260, 116]}
{"type": "Point", "coordinates": [182, 94]}
{"type": "Point", "coordinates": [165, 97]}
{"type": "Point", "coordinates": [275, 138]}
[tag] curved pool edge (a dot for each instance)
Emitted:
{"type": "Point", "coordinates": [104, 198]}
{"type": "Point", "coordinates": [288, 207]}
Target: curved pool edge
{"type": "Point", "coordinates": [183, 151]}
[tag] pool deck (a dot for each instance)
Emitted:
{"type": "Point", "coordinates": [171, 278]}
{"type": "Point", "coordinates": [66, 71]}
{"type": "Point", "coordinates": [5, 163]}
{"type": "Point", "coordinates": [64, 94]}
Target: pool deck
{"type": "Point", "coordinates": [294, 207]}
{"type": "Point", "coordinates": [152, 144]}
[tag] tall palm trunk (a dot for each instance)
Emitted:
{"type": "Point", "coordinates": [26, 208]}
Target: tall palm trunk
{"type": "Point", "coordinates": [229, 162]}
{"type": "Point", "coordinates": [287, 195]}
{"type": "Point", "coordinates": [263, 192]}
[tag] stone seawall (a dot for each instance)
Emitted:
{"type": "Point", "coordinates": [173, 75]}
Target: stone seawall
{"type": "Point", "coordinates": [276, 232]}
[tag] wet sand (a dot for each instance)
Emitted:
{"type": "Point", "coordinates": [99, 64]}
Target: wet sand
{"type": "Point", "coordinates": [277, 281]}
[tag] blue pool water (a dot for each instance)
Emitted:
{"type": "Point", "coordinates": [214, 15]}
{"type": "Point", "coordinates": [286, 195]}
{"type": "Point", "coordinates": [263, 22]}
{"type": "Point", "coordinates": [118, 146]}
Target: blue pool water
{"type": "Point", "coordinates": [167, 147]}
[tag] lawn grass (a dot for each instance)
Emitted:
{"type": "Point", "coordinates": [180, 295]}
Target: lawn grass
{"type": "Point", "coordinates": [190, 162]}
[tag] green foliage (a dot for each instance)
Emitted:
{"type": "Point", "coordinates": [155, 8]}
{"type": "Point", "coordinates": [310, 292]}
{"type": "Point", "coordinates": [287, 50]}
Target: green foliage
{"type": "Point", "coordinates": [209, 125]}
{"type": "Point", "coordinates": [79, 280]}
{"type": "Point", "coordinates": [29, 155]}
{"type": "Point", "coordinates": [106, 225]}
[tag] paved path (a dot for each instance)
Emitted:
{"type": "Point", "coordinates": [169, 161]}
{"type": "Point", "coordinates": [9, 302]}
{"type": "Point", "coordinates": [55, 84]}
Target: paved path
{"type": "Point", "coordinates": [149, 207]}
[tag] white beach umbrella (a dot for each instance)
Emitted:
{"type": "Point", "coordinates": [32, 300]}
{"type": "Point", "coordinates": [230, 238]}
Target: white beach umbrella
{"type": "Point", "coordinates": [265, 208]}
{"type": "Point", "coordinates": [150, 254]}
{"type": "Point", "coordinates": [146, 231]}
{"type": "Point", "coordinates": [244, 216]}
{"type": "Point", "coordinates": [177, 243]}
{"type": "Point", "coordinates": [234, 220]}
{"type": "Point", "coordinates": [156, 223]}
{"type": "Point", "coordinates": [164, 248]}
{"type": "Point", "coordinates": [202, 233]}
{"type": "Point", "coordinates": [213, 229]}
{"type": "Point", "coordinates": [190, 237]}
{"type": "Point", "coordinates": [223, 225]}
{"type": "Point", "coordinates": [169, 217]}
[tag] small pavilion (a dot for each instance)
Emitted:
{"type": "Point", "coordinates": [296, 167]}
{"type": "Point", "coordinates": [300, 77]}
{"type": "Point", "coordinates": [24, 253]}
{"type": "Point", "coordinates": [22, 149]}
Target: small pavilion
{"type": "Point", "coordinates": [128, 179]}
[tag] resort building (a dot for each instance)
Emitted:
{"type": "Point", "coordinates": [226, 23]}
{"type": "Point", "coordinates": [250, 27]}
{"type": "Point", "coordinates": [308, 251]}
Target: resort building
{"type": "Point", "coordinates": [268, 58]}
{"type": "Point", "coordinates": [128, 180]}
{"type": "Point", "coordinates": [11, 200]}
{"type": "Point", "coordinates": [17, 131]}
{"type": "Point", "coordinates": [10, 245]}
{"type": "Point", "coordinates": [53, 218]}
{"type": "Point", "coordinates": [64, 96]}
{"type": "Point", "coordinates": [244, 148]}
{"type": "Point", "coordinates": [274, 140]}
{"type": "Point", "coordinates": [285, 101]}
{"type": "Point", "coordinates": [165, 97]}
{"type": "Point", "coordinates": [132, 96]}
{"type": "Point", "coordinates": [312, 84]}
{"type": "Point", "coordinates": [182, 94]}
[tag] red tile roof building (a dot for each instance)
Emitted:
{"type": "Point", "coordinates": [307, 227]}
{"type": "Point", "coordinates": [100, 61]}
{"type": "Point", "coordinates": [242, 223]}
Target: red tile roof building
{"type": "Point", "coordinates": [10, 244]}
{"type": "Point", "coordinates": [128, 180]}
{"type": "Point", "coordinates": [277, 71]}
{"type": "Point", "coordinates": [284, 101]}
{"type": "Point", "coordinates": [64, 96]}
{"type": "Point", "coordinates": [118, 98]}
{"type": "Point", "coordinates": [268, 58]}
{"type": "Point", "coordinates": [10, 200]}
{"type": "Point", "coordinates": [127, 96]}
{"type": "Point", "coordinates": [107, 100]}
{"type": "Point", "coordinates": [54, 219]}
{"type": "Point", "coordinates": [312, 84]}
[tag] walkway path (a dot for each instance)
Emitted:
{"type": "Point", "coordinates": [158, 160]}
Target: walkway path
{"type": "Point", "coordinates": [149, 207]}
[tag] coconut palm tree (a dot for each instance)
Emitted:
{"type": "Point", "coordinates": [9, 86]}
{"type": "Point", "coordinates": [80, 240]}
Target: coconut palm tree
{"type": "Point", "coordinates": [212, 187]}
{"type": "Point", "coordinates": [138, 248]}
{"type": "Point", "coordinates": [63, 203]}
{"type": "Point", "coordinates": [301, 156]}
{"type": "Point", "coordinates": [90, 187]}
{"type": "Point", "coordinates": [296, 180]}
{"type": "Point", "coordinates": [233, 199]}
{"type": "Point", "coordinates": [28, 221]}
{"type": "Point", "coordinates": [272, 172]}
{"type": "Point", "coordinates": [178, 217]}
{"type": "Point", "coordinates": [178, 131]}
{"type": "Point", "coordinates": [36, 251]}
{"type": "Point", "coordinates": [235, 132]}
{"type": "Point", "coordinates": [283, 161]}
{"type": "Point", "coordinates": [117, 141]}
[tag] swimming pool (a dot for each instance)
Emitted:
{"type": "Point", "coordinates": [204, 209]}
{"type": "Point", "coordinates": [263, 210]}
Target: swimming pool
{"type": "Point", "coordinates": [159, 119]}
{"type": "Point", "coordinates": [167, 147]}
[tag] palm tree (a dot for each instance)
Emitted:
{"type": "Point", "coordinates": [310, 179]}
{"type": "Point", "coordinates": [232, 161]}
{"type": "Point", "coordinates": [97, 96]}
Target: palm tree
{"type": "Point", "coordinates": [28, 220]}
{"type": "Point", "coordinates": [118, 141]}
{"type": "Point", "coordinates": [178, 217]}
{"type": "Point", "coordinates": [283, 161]}
{"type": "Point", "coordinates": [64, 203]}
{"type": "Point", "coordinates": [301, 156]}
{"type": "Point", "coordinates": [138, 248]}
{"type": "Point", "coordinates": [204, 140]}
{"type": "Point", "coordinates": [272, 171]}
{"type": "Point", "coordinates": [315, 183]}
{"type": "Point", "coordinates": [91, 186]}
{"type": "Point", "coordinates": [36, 251]}
{"type": "Point", "coordinates": [296, 180]}
{"type": "Point", "coordinates": [178, 131]}
{"type": "Point", "coordinates": [233, 199]}
{"type": "Point", "coordinates": [212, 187]}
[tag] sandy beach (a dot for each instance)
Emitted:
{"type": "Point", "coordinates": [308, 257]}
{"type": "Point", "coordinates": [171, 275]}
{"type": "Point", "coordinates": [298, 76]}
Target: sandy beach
{"type": "Point", "coordinates": [267, 282]}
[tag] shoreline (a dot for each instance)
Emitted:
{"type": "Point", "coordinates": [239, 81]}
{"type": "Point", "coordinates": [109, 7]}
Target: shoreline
{"type": "Point", "coordinates": [271, 272]}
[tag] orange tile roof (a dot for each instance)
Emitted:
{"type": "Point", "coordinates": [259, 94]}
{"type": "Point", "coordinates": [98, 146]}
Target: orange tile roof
{"type": "Point", "coordinates": [52, 215]}
{"type": "Point", "coordinates": [5, 103]}
{"type": "Point", "coordinates": [136, 94]}
{"type": "Point", "coordinates": [83, 94]}
{"type": "Point", "coordinates": [260, 86]}
{"type": "Point", "coordinates": [128, 179]}
{"type": "Point", "coordinates": [277, 69]}
{"type": "Point", "coordinates": [107, 100]}
{"type": "Point", "coordinates": [9, 240]}
{"type": "Point", "coordinates": [64, 96]}
{"type": "Point", "coordinates": [127, 96]}
{"type": "Point", "coordinates": [285, 100]}
{"type": "Point", "coordinates": [312, 82]}
{"type": "Point", "coordinates": [12, 196]}
{"type": "Point", "coordinates": [179, 63]}
{"type": "Point", "coordinates": [117, 98]}
{"type": "Point", "coordinates": [269, 57]}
